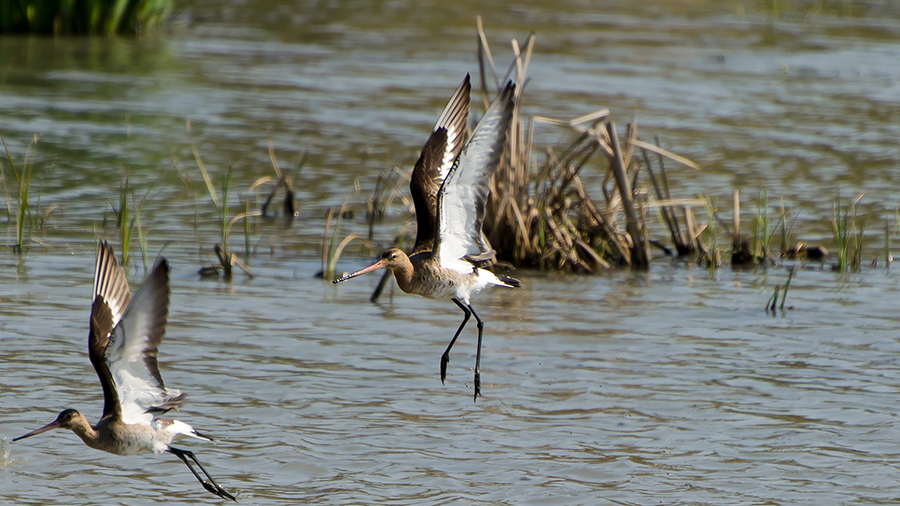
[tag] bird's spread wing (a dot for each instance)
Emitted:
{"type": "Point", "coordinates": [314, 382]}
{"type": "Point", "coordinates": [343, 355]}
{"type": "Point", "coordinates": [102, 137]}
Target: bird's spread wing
{"type": "Point", "coordinates": [111, 296]}
{"type": "Point", "coordinates": [462, 197]}
{"type": "Point", "coordinates": [438, 155]}
{"type": "Point", "coordinates": [130, 371]}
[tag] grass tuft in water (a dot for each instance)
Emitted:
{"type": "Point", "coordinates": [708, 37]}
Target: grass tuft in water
{"type": "Point", "coordinates": [24, 217]}
{"type": "Point", "coordinates": [773, 302]}
{"type": "Point", "coordinates": [284, 182]}
{"type": "Point", "coordinates": [848, 229]}
{"type": "Point", "coordinates": [126, 224]}
{"type": "Point", "coordinates": [227, 259]}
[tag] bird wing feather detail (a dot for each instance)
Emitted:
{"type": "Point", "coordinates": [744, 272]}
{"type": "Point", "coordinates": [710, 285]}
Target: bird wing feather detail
{"type": "Point", "coordinates": [464, 193]}
{"type": "Point", "coordinates": [435, 161]}
{"type": "Point", "coordinates": [130, 370]}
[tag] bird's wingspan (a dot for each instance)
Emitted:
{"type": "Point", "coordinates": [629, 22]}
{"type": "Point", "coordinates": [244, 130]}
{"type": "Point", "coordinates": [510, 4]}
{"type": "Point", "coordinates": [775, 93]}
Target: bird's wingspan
{"type": "Point", "coordinates": [125, 338]}
{"type": "Point", "coordinates": [433, 165]}
{"type": "Point", "coordinates": [462, 197]}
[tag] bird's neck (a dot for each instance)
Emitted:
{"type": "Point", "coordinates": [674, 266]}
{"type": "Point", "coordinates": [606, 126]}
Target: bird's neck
{"type": "Point", "coordinates": [403, 271]}
{"type": "Point", "coordinates": [83, 429]}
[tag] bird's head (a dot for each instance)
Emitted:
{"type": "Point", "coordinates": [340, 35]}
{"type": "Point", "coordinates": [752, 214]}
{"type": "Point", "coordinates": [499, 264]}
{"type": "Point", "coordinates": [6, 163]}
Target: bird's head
{"type": "Point", "coordinates": [67, 419]}
{"type": "Point", "coordinates": [392, 258]}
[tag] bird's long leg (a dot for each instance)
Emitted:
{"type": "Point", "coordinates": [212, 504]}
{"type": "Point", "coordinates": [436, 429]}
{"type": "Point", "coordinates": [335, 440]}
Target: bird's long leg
{"type": "Point", "coordinates": [478, 354]}
{"type": "Point", "coordinates": [209, 484]}
{"type": "Point", "coordinates": [446, 356]}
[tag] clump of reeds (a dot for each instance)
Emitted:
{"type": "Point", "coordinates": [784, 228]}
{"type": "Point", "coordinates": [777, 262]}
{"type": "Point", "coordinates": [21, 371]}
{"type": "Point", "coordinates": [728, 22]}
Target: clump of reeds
{"type": "Point", "coordinates": [543, 215]}
{"type": "Point", "coordinates": [227, 259]}
{"type": "Point", "coordinates": [849, 231]}
{"type": "Point", "coordinates": [126, 224]}
{"type": "Point", "coordinates": [24, 218]}
{"type": "Point", "coordinates": [756, 249]}
{"type": "Point", "coordinates": [83, 17]}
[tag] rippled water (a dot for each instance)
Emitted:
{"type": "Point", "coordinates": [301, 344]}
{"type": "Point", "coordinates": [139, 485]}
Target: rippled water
{"type": "Point", "coordinates": [671, 387]}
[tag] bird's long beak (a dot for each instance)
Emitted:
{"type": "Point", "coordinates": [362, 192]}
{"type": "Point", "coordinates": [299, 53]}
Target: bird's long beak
{"type": "Point", "coordinates": [50, 426]}
{"type": "Point", "coordinates": [377, 265]}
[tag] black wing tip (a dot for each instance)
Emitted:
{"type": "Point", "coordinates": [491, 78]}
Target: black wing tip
{"type": "Point", "coordinates": [159, 277]}
{"type": "Point", "coordinates": [509, 89]}
{"type": "Point", "coordinates": [162, 263]}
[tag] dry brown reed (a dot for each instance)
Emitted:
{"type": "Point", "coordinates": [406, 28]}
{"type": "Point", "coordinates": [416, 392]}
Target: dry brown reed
{"type": "Point", "coordinates": [541, 214]}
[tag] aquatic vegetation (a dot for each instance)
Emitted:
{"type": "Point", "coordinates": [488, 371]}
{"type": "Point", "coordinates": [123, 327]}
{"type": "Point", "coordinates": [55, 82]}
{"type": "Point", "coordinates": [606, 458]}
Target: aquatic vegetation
{"type": "Point", "coordinates": [708, 249]}
{"type": "Point", "coordinates": [284, 182]}
{"type": "Point", "coordinates": [762, 229]}
{"type": "Point", "coordinates": [126, 225]}
{"type": "Point", "coordinates": [684, 245]}
{"type": "Point", "coordinates": [331, 248]}
{"type": "Point", "coordinates": [542, 215]}
{"type": "Point", "coordinates": [84, 16]}
{"type": "Point", "coordinates": [545, 210]}
{"type": "Point", "coordinates": [227, 259]}
{"type": "Point", "coordinates": [849, 231]}
{"type": "Point", "coordinates": [23, 184]}
{"type": "Point", "coordinates": [773, 302]}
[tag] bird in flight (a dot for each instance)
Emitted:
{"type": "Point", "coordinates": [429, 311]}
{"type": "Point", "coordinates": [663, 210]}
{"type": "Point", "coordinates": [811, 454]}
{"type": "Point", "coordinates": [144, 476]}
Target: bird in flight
{"type": "Point", "coordinates": [449, 186]}
{"type": "Point", "coordinates": [123, 345]}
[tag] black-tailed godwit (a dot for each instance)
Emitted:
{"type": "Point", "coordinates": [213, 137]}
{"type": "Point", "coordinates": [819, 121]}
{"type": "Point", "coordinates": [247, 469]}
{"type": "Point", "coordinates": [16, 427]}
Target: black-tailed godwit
{"type": "Point", "coordinates": [449, 186]}
{"type": "Point", "coordinates": [123, 344]}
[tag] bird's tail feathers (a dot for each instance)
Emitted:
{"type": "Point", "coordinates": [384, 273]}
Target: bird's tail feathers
{"type": "Point", "coordinates": [184, 429]}
{"type": "Point", "coordinates": [202, 436]}
{"type": "Point", "coordinates": [508, 281]}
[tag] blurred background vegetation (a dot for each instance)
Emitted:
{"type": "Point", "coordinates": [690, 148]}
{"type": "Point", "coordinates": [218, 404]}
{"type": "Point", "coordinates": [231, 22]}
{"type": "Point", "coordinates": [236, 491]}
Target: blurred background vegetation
{"type": "Point", "coordinates": [83, 16]}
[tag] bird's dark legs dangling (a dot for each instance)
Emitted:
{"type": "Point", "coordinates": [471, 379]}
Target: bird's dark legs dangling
{"type": "Point", "coordinates": [445, 358]}
{"type": "Point", "coordinates": [209, 484]}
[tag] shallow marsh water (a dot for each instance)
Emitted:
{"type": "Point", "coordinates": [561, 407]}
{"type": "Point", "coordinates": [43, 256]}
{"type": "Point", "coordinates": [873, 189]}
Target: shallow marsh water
{"type": "Point", "coordinates": [670, 387]}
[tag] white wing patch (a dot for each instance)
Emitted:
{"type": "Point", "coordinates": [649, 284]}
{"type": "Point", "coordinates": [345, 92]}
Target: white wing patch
{"type": "Point", "coordinates": [462, 197]}
{"type": "Point", "coordinates": [453, 135]}
{"type": "Point", "coordinates": [458, 216]}
{"type": "Point", "coordinates": [132, 350]}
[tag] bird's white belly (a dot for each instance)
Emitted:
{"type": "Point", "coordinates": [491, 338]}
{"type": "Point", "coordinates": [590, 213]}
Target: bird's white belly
{"type": "Point", "coordinates": [452, 284]}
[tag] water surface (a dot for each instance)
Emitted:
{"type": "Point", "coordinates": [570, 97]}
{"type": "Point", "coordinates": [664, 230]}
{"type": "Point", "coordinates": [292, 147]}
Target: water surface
{"type": "Point", "coordinates": [667, 387]}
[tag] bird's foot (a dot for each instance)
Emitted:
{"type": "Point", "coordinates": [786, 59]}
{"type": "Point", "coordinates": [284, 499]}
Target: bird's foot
{"type": "Point", "coordinates": [477, 386]}
{"type": "Point", "coordinates": [445, 359]}
{"type": "Point", "coordinates": [214, 488]}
